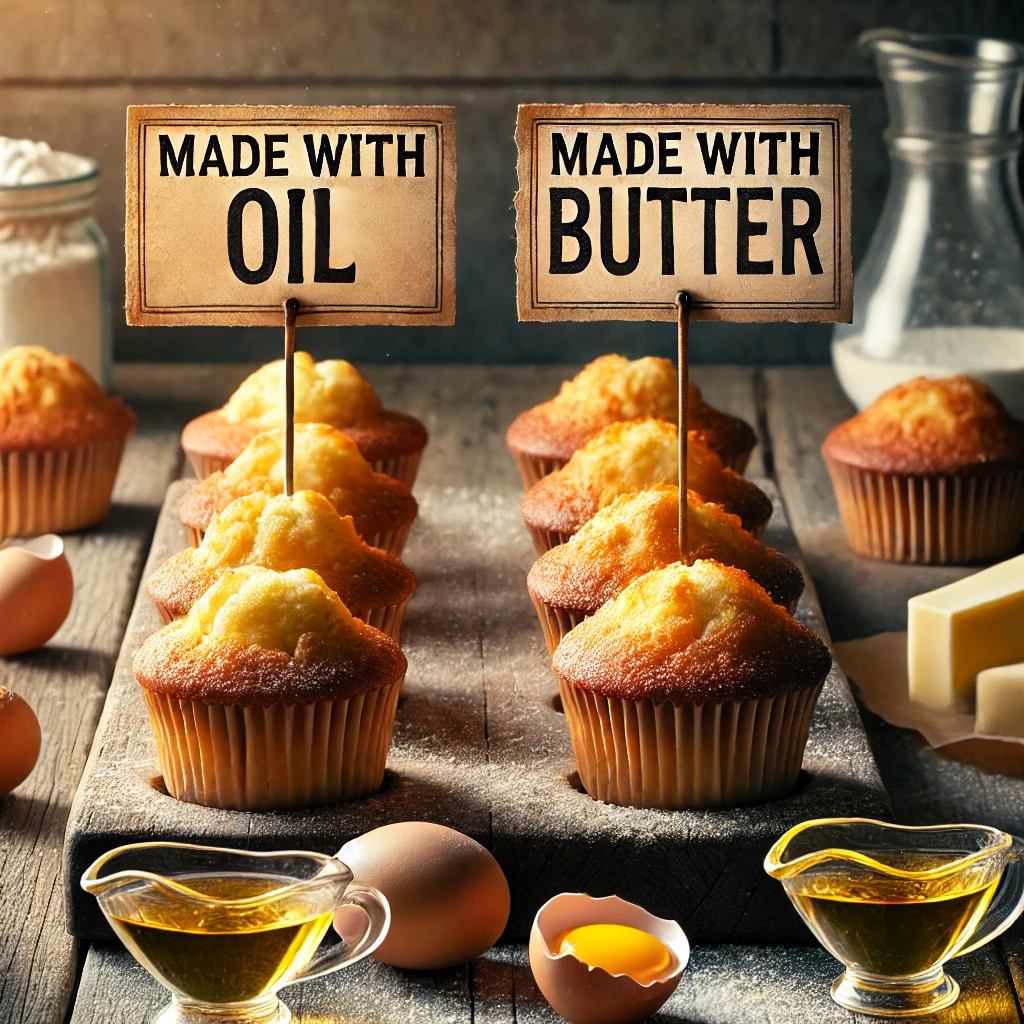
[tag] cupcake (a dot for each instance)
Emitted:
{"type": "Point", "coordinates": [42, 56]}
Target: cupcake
{"type": "Point", "coordinates": [326, 461]}
{"type": "Point", "coordinates": [331, 392]}
{"type": "Point", "coordinates": [690, 689]}
{"type": "Point", "coordinates": [61, 441]}
{"type": "Point", "coordinates": [608, 390]}
{"type": "Point", "coordinates": [270, 694]}
{"type": "Point", "coordinates": [627, 457]}
{"type": "Point", "coordinates": [932, 471]}
{"type": "Point", "coordinates": [303, 531]}
{"type": "Point", "coordinates": [639, 532]}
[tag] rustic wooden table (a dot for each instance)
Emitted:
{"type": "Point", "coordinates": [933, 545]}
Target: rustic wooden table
{"type": "Point", "coordinates": [46, 977]}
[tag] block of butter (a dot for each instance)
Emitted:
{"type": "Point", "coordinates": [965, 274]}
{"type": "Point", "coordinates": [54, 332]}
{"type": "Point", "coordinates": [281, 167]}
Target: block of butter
{"type": "Point", "coordinates": [958, 630]}
{"type": "Point", "coordinates": [1000, 700]}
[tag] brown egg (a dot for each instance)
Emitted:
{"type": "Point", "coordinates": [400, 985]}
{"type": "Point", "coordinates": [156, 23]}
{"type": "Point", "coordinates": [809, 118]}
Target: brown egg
{"type": "Point", "coordinates": [35, 591]}
{"type": "Point", "coordinates": [449, 898]}
{"type": "Point", "coordinates": [584, 994]}
{"type": "Point", "coordinates": [19, 740]}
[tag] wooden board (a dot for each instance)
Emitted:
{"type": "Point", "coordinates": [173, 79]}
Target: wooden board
{"type": "Point", "coordinates": [65, 682]}
{"type": "Point", "coordinates": [477, 743]}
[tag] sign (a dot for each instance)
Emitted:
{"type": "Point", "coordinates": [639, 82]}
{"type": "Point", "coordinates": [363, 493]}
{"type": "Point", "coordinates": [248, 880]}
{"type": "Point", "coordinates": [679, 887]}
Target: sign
{"type": "Point", "coordinates": [746, 208]}
{"type": "Point", "coordinates": [232, 210]}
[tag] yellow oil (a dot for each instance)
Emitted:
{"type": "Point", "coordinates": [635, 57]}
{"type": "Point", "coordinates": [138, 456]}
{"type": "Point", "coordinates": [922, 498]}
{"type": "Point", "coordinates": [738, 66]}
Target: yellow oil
{"type": "Point", "coordinates": [895, 927]}
{"type": "Point", "coordinates": [225, 956]}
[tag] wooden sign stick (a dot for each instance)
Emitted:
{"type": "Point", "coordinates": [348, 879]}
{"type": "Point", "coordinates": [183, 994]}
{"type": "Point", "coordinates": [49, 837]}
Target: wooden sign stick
{"type": "Point", "coordinates": [683, 373]}
{"type": "Point", "coordinates": [291, 311]}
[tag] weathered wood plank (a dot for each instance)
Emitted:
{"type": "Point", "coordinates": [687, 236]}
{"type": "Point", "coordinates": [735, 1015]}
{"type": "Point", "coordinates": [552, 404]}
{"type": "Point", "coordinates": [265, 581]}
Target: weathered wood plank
{"type": "Point", "coordinates": [477, 743]}
{"type": "Point", "coordinates": [66, 682]}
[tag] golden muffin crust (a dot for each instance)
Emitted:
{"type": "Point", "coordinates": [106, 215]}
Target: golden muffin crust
{"type": "Point", "coordinates": [701, 633]}
{"type": "Point", "coordinates": [614, 388]}
{"type": "Point", "coordinates": [259, 637]}
{"type": "Point", "coordinates": [930, 426]}
{"type": "Point", "coordinates": [326, 461]}
{"type": "Point", "coordinates": [639, 532]}
{"type": "Point", "coordinates": [632, 456]}
{"type": "Point", "coordinates": [48, 402]}
{"type": "Point", "coordinates": [303, 531]}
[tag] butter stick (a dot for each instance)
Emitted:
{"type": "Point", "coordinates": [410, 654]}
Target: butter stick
{"type": "Point", "coordinates": [955, 632]}
{"type": "Point", "coordinates": [1000, 701]}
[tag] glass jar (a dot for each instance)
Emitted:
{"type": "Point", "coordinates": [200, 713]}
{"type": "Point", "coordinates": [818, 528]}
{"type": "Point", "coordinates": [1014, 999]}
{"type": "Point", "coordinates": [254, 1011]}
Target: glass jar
{"type": "Point", "coordinates": [53, 269]}
{"type": "Point", "coordinates": [941, 288]}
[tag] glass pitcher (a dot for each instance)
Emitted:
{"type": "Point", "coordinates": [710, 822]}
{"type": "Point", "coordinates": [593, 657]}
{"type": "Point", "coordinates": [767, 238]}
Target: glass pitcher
{"type": "Point", "coordinates": [941, 287]}
{"type": "Point", "coordinates": [893, 903]}
{"type": "Point", "coordinates": [223, 930]}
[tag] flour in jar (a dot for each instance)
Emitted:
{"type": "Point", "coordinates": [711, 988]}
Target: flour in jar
{"type": "Point", "coordinates": [52, 255]}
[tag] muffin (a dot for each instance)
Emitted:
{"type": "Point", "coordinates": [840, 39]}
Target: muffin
{"type": "Point", "coordinates": [326, 461]}
{"type": "Point", "coordinates": [303, 531]}
{"type": "Point", "coordinates": [61, 441]}
{"type": "Point", "coordinates": [633, 456]}
{"type": "Point", "coordinates": [269, 694]}
{"type": "Point", "coordinates": [639, 532]}
{"type": "Point", "coordinates": [331, 392]}
{"type": "Point", "coordinates": [608, 390]}
{"type": "Point", "coordinates": [690, 689]}
{"type": "Point", "coordinates": [932, 471]}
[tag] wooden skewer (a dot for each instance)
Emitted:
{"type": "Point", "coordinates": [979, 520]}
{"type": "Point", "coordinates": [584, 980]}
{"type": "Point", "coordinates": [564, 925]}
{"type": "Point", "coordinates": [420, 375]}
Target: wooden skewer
{"type": "Point", "coordinates": [291, 310]}
{"type": "Point", "coordinates": [683, 308]}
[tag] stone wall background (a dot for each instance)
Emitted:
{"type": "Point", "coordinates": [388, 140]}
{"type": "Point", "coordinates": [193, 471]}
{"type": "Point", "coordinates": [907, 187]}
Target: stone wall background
{"type": "Point", "coordinates": [68, 68]}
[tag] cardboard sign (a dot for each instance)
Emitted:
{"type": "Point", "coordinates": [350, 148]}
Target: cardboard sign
{"type": "Point", "coordinates": [232, 210]}
{"type": "Point", "coordinates": [621, 206]}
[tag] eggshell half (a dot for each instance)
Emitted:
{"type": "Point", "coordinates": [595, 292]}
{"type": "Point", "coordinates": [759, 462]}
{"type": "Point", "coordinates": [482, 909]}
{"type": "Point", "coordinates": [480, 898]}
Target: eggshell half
{"type": "Point", "coordinates": [20, 739]}
{"type": "Point", "coordinates": [590, 995]}
{"type": "Point", "coordinates": [36, 590]}
{"type": "Point", "coordinates": [449, 898]}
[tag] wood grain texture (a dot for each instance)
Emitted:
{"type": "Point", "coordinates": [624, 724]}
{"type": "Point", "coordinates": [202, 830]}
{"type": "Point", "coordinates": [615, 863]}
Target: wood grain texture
{"type": "Point", "coordinates": [66, 682]}
{"type": "Point", "coordinates": [477, 743]}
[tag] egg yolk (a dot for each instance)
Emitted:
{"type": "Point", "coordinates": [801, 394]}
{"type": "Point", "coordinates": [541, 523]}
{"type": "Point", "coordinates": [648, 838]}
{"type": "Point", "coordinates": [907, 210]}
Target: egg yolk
{"type": "Point", "coordinates": [618, 949]}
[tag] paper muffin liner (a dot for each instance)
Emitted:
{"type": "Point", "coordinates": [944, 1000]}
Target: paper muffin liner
{"type": "Point", "coordinates": [387, 618]}
{"type": "Point", "coordinates": [57, 491]}
{"type": "Point", "coordinates": [401, 467]}
{"type": "Point", "coordinates": [555, 622]}
{"type": "Point", "coordinates": [253, 758]}
{"type": "Point", "coordinates": [929, 519]}
{"type": "Point", "coordinates": [534, 467]}
{"type": "Point", "coordinates": [657, 754]}
{"type": "Point", "coordinates": [390, 541]}
{"type": "Point", "coordinates": [545, 540]}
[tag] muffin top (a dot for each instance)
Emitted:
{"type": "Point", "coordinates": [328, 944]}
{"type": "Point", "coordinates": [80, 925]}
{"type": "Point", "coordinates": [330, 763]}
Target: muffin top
{"type": "Point", "coordinates": [259, 637]}
{"type": "Point", "coordinates": [332, 391]}
{"type": "Point", "coordinates": [48, 401]}
{"type": "Point", "coordinates": [926, 426]}
{"type": "Point", "coordinates": [614, 388]}
{"type": "Point", "coordinates": [326, 461]}
{"type": "Point", "coordinates": [701, 633]}
{"type": "Point", "coordinates": [632, 456]}
{"type": "Point", "coordinates": [303, 531]}
{"type": "Point", "coordinates": [639, 532]}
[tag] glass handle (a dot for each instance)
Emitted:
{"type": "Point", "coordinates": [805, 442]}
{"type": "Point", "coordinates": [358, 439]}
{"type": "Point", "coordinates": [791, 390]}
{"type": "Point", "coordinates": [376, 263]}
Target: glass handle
{"type": "Point", "coordinates": [332, 958]}
{"type": "Point", "coordinates": [1006, 905]}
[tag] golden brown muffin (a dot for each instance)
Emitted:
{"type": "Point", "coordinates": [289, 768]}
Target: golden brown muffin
{"type": "Point", "coordinates": [331, 392]}
{"type": "Point", "coordinates": [639, 532]}
{"type": "Point", "coordinates": [632, 456]}
{"type": "Point", "coordinates": [303, 531]}
{"type": "Point", "coordinates": [610, 389]}
{"type": "Point", "coordinates": [270, 694]}
{"type": "Point", "coordinates": [690, 689]}
{"type": "Point", "coordinates": [932, 471]}
{"type": "Point", "coordinates": [61, 441]}
{"type": "Point", "coordinates": [326, 461]}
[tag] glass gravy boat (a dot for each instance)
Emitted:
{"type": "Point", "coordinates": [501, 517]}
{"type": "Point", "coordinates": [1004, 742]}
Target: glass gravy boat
{"type": "Point", "coordinates": [223, 930]}
{"type": "Point", "coordinates": [894, 903]}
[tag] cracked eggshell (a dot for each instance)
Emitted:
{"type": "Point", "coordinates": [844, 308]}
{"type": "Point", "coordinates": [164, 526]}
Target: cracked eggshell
{"type": "Point", "coordinates": [36, 590]}
{"type": "Point", "coordinates": [20, 739]}
{"type": "Point", "coordinates": [590, 995]}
